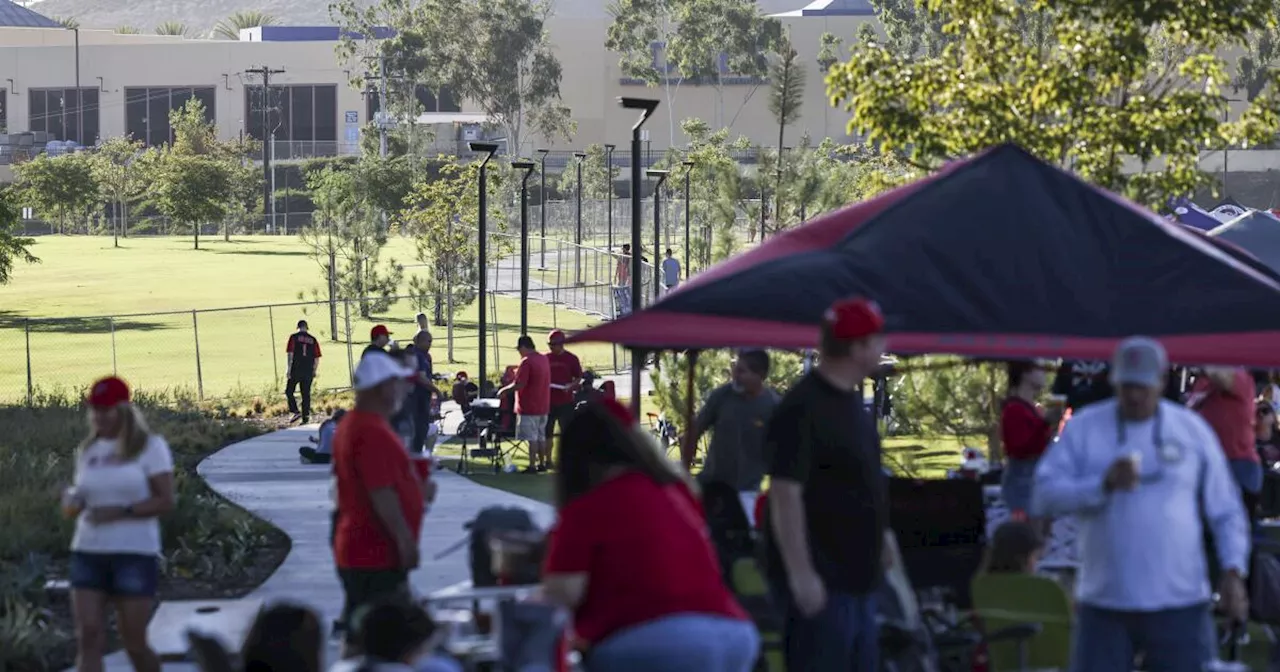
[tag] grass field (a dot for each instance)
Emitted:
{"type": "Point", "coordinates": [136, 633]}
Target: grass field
{"type": "Point", "coordinates": [83, 280]}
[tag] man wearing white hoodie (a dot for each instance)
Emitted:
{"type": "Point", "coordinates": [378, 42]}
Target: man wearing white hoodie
{"type": "Point", "coordinates": [1143, 476]}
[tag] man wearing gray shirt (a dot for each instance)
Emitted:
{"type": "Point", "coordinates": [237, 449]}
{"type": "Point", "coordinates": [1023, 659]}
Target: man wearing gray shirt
{"type": "Point", "coordinates": [737, 414]}
{"type": "Point", "coordinates": [1143, 477]}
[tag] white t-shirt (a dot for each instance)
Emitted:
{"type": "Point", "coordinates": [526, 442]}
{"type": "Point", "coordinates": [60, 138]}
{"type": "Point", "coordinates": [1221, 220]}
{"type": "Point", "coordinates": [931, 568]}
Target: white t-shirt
{"type": "Point", "coordinates": [103, 479]}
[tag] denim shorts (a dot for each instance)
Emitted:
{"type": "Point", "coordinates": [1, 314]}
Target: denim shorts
{"type": "Point", "coordinates": [116, 574]}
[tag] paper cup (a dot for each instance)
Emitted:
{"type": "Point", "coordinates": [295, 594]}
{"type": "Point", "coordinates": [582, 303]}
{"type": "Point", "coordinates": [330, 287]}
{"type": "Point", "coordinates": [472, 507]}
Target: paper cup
{"type": "Point", "coordinates": [1055, 403]}
{"type": "Point", "coordinates": [1136, 458]}
{"type": "Point", "coordinates": [422, 466]}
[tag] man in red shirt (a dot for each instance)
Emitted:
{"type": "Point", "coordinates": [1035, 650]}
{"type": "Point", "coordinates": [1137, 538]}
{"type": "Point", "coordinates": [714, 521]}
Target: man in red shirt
{"type": "Point", "coordinates": [566, 378]}
{"type": "Point", "coordinates": [381, 501]}
{"type": "Point", "coordinates": [1224, 398]}
{"type": "Point", "coordinates": [532, 388]}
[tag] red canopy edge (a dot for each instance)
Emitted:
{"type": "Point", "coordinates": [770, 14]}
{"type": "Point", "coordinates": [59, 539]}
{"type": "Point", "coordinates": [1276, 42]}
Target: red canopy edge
{"type": "Point", "coordinates": [656, 329]}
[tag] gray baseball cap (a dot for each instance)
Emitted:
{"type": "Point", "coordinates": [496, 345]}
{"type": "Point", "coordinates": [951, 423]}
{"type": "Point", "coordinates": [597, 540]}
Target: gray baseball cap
{"type": "Point", "coordinates": [1139, 360]}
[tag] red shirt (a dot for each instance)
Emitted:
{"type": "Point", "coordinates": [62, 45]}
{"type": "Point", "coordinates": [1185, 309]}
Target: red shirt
{"type": "Point", "coordinates": [368, 456]}
{"type": "Point", "coordinates": [565, 368]}
{"type": "Point", "coordinates": [1023, 430]}
{"type": "Point", "coordinates": [535, 397]}
{"type": "Point", "coordinates": [646, 552]}
{"type": "Point", "coordinates": [1229, 413]}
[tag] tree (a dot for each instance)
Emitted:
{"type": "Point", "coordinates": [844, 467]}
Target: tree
{"type": "Point", "coordinates": [1256, 67]}
{"type": "Point", "coordinates": [694, 35]}
{"type": "Point", "coordinates": [175, 28]}
{"type": "Point", "coordinates": [786, 98]}
{"type": "Point", "coordinates": [63, 186]}
{"type": "Point", "coordinates": [598, 176]}
{"type": "Point", "coordinates": [493, 52]}
{"type": "Point", "coordinates": [122, 168]}
{"type": "Point", "coordinates": [910, 29]}
{"type": "Point", "coordinates": [440, 214]}
{"type": "Point", "coordinates": [195, 177]}
{"type": "Point", "coordinates": [336, 209]}
{"type": "Point", "coordinates": [13, 247]}
{"type": "Point", "coordinates": [1084, 88]}
{"type": "Point", "coordinates": [230, 27]}
{"type": "Point", "coordinates": [829, 51]}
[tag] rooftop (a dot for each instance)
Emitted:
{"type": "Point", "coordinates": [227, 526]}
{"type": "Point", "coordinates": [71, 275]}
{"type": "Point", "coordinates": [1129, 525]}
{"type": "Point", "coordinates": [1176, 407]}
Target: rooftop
{"type": "Point", "coordinates": [15, 16]}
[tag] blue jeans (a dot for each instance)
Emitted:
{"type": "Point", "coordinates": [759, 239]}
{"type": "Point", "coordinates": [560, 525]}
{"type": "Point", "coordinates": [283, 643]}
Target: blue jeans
{"type": "Point", "coordinates": [1173, 640]}
{"type": "Point", "coordinates": [679, 643]}
{"type": "Point", "coordinates": [115, 574]}
{"type": "Point", "coordinates": [843, 637]}
{"type": "Point", "coordinates": [1248, 475]}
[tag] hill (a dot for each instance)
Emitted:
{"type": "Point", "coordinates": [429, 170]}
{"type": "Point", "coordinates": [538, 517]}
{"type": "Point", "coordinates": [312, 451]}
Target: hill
{"type": "Point", "coordinates": [201, 15]}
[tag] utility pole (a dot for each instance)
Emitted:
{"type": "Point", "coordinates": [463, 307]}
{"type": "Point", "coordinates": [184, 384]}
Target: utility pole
{"type": "Point", "coordinates": [268, 207]}
{"type": "Point", "coordinates": [382, 110]}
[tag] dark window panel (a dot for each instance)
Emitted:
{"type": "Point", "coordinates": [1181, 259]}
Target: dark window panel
{"type": "Point", "coordinates": [37, 110]}
{"type": "Point", "coordinates": [72, 115]}
{"type": "Point", "coordinates": [302, 123]}
{"type": "Point", "coordinates": [326, 113]}
{"type": "Point", "coordinates": [371, 105]}
{"type": "Point", "coordinates": [425, 97]}
{"type": "Point", "coordinates": [446, 102]}
{"type": "Point", "coordinates": [135, 113]}
{"type": "Point", "coordinates": [91, 115]}
{"type": "Point", "coordinates": [4, 109]}
{"type": "Point", "coordinates": [158, 116]}
{"type": "Point", "coordinates": [207, 97]}
{"type": "Point", "coordinates": [56, 115]}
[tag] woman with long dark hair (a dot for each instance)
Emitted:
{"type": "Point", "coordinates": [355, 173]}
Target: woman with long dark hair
{"type": "Point", "coordinates": [1025, 433]}
{"type": "Point", "coordinates": [630, 555]}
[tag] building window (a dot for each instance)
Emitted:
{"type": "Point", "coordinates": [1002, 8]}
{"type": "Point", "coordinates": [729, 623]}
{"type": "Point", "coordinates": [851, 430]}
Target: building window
{"type": "Point", "coordinates": [293, 113]}
{"type": "Point", "coordinates": [427, 99]}
{"type": "Point", "coordinates": [65, 114]}
{"type": "Point", "coordinates": [4, 110]}
{"type": "Point", "coordinates": [146, 110]}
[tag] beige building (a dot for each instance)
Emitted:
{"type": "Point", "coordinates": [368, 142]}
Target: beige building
{"type": "Point", "coordinates": [84, 85]}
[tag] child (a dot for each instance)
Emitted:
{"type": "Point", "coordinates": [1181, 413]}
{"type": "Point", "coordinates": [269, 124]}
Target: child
{"type": "Point", "coordinates": [323, 452]}
{"type": "Point", "coordinates": [1015, 548]}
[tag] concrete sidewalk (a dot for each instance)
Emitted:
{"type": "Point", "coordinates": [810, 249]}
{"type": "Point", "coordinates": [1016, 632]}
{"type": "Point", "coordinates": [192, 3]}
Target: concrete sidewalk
{"type": "Point", "coordinates": [265, 477]}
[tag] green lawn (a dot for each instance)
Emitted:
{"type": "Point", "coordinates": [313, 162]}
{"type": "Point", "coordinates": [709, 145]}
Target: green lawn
{"type": "Point", "coordinates": [81, 280]}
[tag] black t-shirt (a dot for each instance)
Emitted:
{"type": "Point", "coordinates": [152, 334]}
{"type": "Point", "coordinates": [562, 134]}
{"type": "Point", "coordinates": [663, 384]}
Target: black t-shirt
{"type": "Point", "coordinates": [303, 351]}
{"type": "Point", "coordinates": [1083, 383]}
{"type": "Point", "coordinates": [823, 438]}
{"type": "Point", "coordinates": [372, 347]}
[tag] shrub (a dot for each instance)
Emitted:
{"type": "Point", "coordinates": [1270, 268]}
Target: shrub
{"type": "Point", "coordinates": [205, 537]}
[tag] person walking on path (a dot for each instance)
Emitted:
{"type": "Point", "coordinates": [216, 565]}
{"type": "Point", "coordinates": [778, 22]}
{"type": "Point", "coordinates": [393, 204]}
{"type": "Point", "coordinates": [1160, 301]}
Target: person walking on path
{"type": "Point", "coordinates": [532, 387]}
{"type": "Point", "coordinates": [566, 379]}
{"type": "Point", "coordinates": [630, 555]}
{"type": "Point", "coordinates": [379, 337]}
{"type": "Point", "coordinates": [381, 500]}
{"type": "Point", "coordinates": [123, 483]}
{"type": "Point", "coordinates": [421, 321]}
{"type": "Point", "coordinates": [302, 361]}
{"type": "Point", "coordinates": [423, 391]}
{"type": "Point", "coordinates": [1143, 477]}
{"type": "Point", "coordinates": [827, 503]}
{"type": "Point", "coordinates": [622, 282]}
{"type": "Point", "coordinates": [736, 414]}
{"type": "Point", "coordinates": [670, 272]}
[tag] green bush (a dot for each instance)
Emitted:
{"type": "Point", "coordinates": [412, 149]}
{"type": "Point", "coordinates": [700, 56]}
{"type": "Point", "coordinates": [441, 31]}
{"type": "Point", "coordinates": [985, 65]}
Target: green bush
{"type": "Point", "coordinates": [205, 537]}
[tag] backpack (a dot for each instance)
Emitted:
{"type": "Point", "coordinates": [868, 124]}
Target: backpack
{"type": "Point", "coordinates": [496, 520]}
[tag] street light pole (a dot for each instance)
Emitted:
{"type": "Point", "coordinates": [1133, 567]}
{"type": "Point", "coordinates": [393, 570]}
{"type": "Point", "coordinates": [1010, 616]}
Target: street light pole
{"type": "Point", "coordinates": [661, 177]}
{"type": "Point", "coordinates": [542, 196]}
{"type": "Point", "coordinates": [577, 236]}
{"type": "Point", "coordinates": [688, 170]}
{"type": "Point", "coordinates": [489, 149]}
{"type": "Point", "coordinates": [646, 106]}
{"type": "Point", "coordinates": [527, 167]}
{"type": "Point", "coordinates": [608, 171]}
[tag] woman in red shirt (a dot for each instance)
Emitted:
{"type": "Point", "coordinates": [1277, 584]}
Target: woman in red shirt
{"type": "Point", "coordinates": [630, 555]}
{"type": "Point", "coordinates": [1025, 433]}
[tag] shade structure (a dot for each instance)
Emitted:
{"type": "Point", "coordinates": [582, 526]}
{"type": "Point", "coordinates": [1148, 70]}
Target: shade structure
{"type": "Point", "coordinates": [1193, 215]}
{"type": "Point", "coordinates": [1001, 255]}
{"type": "Point", "coordinates": [1256, 232]}
{"type": "Point", "coordinates": [1238, 253]}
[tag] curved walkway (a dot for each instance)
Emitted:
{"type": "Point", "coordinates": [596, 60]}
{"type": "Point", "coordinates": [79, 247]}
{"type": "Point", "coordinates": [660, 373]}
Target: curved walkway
{"type": "Point", "coordinates": [264, 476]}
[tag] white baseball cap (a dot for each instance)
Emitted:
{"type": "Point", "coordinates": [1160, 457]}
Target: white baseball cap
{"type": "Point", "coordinates": [377, 368]}
{"type": "Point", "coordinates": [1139, 361]}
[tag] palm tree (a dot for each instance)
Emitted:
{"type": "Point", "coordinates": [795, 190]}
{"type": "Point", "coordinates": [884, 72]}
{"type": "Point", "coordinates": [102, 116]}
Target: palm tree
{"type": "Point", "coordinates": [172, 28]}
{"type": "Point", "coordinates": [68, 22]}
{"type": "Point", "coordinates": [127, 30]}
{"type": "Point", "coordinates": [230, 27]}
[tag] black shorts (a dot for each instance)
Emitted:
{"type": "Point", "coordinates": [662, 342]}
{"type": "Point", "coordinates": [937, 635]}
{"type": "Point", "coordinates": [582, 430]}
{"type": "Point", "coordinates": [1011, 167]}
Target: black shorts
{"type": "Point", "coordinates": [365, 587]}
{"type": "Point", "coordinates": [116, 574]}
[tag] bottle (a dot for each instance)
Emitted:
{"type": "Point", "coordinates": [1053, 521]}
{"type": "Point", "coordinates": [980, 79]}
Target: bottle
{"type": "Point", "coordinates": [72, 502]}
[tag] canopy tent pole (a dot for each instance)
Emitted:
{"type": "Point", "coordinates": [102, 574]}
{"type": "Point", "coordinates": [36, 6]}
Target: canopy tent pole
{"type": "Point", "coordinates": [689, 442]}
{"type": "Point", "coordinates": [637, 367]}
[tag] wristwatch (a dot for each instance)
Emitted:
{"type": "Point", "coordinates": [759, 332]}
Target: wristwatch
{"type": "Point", "coordinates": [128, 511]}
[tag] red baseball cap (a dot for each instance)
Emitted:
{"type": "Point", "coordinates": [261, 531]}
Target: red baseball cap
{"type": "Point", "coordinates": [619, 412]}
{"type": "Point", "coordinates": [380, 330]}
{"type": "Point", "coordinates": [556, 337]}
{"type": "Point", "coordinates": [854, 318]}
{"type": "Point", "coordinates": [108, 392]}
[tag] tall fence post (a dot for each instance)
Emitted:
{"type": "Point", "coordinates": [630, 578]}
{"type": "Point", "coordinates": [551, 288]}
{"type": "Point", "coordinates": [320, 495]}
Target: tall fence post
{"type": "Point", "coordinates": [275, 364]}
{"type": "Point", "coordinates": [114, 370]}
{"type": "Point", "coordinates": [31, 390]}
{"type": "Point", "coordinates": [195, 328]}
{"type": "Point", "coordinates": [351, 365]}
{"type": "Point", "coordinates": [555, 299]}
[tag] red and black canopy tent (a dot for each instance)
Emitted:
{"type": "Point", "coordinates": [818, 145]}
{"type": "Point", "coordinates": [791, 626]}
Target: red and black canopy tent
{"type": "Point", "coordinates": [999, 256]}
